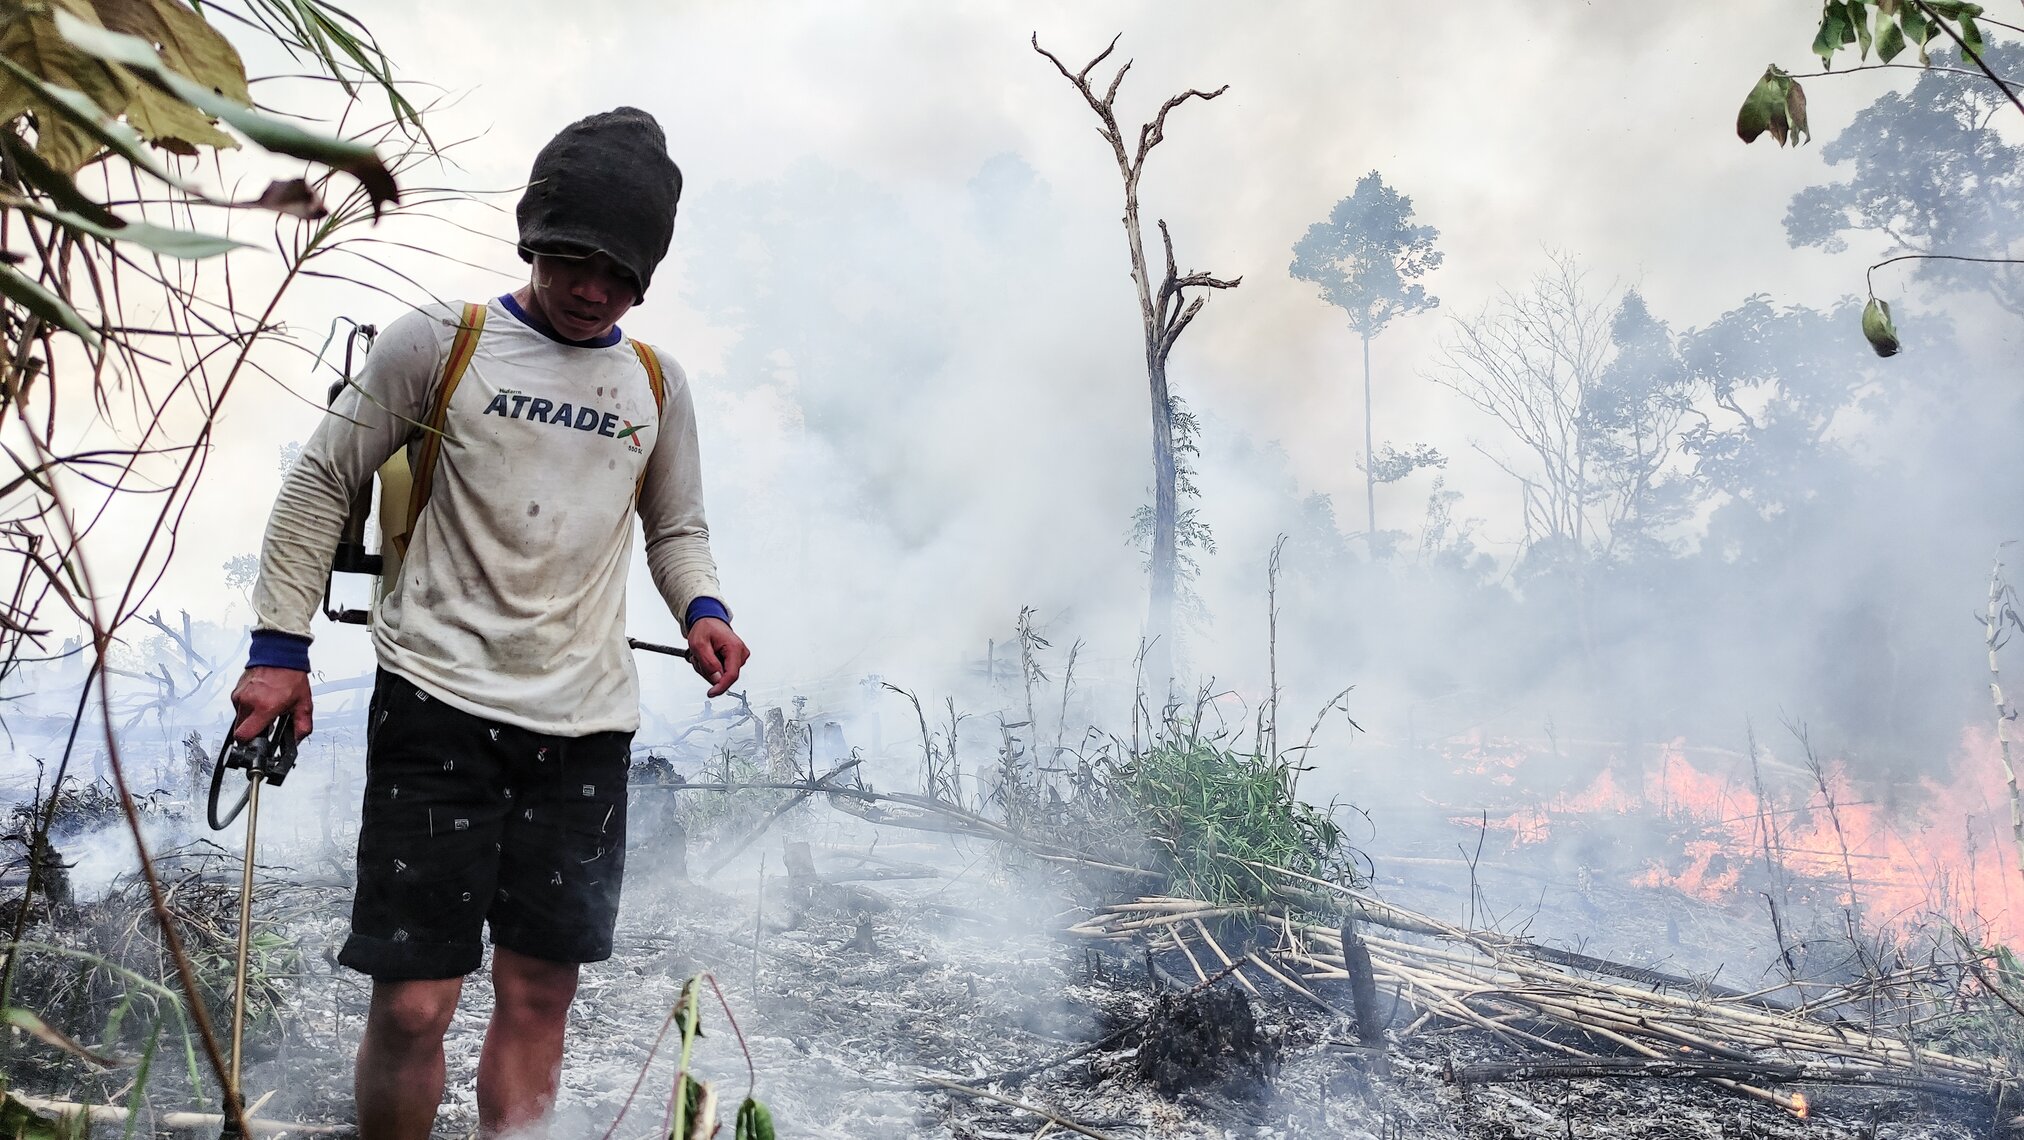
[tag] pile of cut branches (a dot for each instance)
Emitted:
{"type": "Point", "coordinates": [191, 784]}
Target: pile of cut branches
{"type": "Point", "coordinates": [1578, 1016]}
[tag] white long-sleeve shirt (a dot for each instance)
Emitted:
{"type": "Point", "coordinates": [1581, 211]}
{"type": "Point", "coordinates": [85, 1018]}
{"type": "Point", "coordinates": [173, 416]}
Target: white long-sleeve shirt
{"type": "Point", "coordinates": [511, 601]}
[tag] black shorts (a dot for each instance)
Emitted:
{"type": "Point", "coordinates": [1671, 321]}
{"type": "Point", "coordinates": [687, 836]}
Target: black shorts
{"type": "Point", "coordinates": [467, 822]}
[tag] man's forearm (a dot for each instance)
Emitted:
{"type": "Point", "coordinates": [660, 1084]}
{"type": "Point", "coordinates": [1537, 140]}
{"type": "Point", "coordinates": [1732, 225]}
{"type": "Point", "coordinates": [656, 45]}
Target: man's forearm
{"type": "Point", "coordinates": [295, 554]}
{"type": "Point", "coordinates": [367, 423]}
{"type": "Point", "coordinates": [686, 576]}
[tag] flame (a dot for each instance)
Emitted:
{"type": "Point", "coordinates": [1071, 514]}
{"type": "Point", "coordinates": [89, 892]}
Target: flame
{"type": "Point", "coordinates": [1942, 846]}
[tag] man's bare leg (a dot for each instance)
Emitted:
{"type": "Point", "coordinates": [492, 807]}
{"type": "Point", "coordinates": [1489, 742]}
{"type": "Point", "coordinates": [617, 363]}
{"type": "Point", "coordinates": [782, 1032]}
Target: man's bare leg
{"type": "Point", "coordinates": [399, 1079]}
{"type": "Point", "coordinates": [522, 1062]}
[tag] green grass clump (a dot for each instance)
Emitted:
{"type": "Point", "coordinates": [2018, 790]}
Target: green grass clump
{"type": "Point", "coordinates": [1208, 809]}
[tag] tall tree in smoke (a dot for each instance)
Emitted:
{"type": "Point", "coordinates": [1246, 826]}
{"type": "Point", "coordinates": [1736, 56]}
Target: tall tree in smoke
{"type": "Point", "coordinates": [1933, 174]}
{"type": "Point", "coordinates": [1368, 258]}
{"type": "Point", "coordinates": [1164, 313]}
{"type": "Point", "coordinates": [1907, 210]}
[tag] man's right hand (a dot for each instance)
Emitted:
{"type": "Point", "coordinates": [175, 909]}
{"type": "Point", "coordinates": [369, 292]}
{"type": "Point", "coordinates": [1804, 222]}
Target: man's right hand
{"type": "Point", "coordinates": [265, 692]}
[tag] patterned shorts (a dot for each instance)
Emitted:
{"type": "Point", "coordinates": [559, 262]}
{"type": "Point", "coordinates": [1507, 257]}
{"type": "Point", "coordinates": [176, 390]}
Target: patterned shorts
{"type": "Point", "coordinates": [468, 822]}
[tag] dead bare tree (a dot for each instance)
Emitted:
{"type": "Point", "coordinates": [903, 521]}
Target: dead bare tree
{"type": "Point", "coordinates": [1164, 313]}
{"type": "Point", "coordinates": [1530, 361]}
{"type": "Point", "coordinates": [2002, 613]}
{"type": "Point", "coordinates": [1589, 385]}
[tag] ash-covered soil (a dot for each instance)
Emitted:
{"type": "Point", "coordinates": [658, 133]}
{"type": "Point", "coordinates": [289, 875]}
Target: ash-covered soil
{"type": "Point", "coordinates": [919, 958]}
{"type": "Point", "coordinates": [857, 994]}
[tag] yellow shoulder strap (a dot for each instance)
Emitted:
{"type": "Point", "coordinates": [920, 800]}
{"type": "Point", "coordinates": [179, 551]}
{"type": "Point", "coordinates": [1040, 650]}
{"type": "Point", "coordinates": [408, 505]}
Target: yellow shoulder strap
{"type": "Point", "coordinates": [652, 362]}
{"type": "Point", "coordinates": [461, 351]}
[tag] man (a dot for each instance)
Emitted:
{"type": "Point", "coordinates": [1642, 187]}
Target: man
{"type": "Point", "coordinates": [501, 724]}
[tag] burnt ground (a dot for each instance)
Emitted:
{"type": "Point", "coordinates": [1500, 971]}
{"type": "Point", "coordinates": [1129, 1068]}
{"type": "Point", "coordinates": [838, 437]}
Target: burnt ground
{"type": "Point", "coordinates": [855, 991]}
{"type": "Point", "coordinates": [923, 956]}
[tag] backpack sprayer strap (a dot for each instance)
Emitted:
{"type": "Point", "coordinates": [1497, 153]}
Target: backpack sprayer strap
{"type": "Point", "coordinates": [462, 349]}
{"type": "Point", "coordinates": [651, 361]}
{"type": "Point", "coordinates": [421, 473]}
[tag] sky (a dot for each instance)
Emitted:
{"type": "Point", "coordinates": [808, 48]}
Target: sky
{"type": "Point", "coordinates": [893, 489]}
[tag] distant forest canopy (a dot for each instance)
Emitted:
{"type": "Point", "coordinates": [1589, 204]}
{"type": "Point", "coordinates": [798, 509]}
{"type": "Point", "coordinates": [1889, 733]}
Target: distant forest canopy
{"type": "Point", "coordinates": [1750, 518]}
{"type": "Point", "coordinates": [1757, 512]}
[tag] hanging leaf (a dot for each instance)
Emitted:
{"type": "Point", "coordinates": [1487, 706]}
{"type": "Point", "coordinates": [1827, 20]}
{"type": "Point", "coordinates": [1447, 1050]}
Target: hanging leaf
{"type": "Point", "coordinates": [78, 110]}
{"type": "Point", "coordinates": [1828, 40]}
{"type": "Point", "coordinates": [1878, 329]}
{"type": "Point", "coordinates": [32, 171]}
{"type": "Point", "coordinates": [702, 1117]}
{"type": "Point", "coordinates": [356, 159]}
{"type": "Point", "coordinates": [1860, 16]}
{"type": "Point", "coordinates": [31, 295]}
{"type": "Point", "coordinates": [194, 49]}
{"type": "Point", "coordinates": [1916, 29]}
{"type": "Point", "coordinates": [1795, 111]}
{"type": "Point", "coordinates": [1777, 106]}
{"type": "Point", "coordinates": [1890, 41]}
{"type": "Point", "coordinates": [186, 244]}
{"type": "Point", "coordinates": [30, 41]}
{"type": "Point", "coordinates": [1765, 108]}
{"type": "Point", "coordinates": [1971, 36]}
{"type": "Point", "coordinates": [753, 1122]}
{"type": "Point", "coordinates": [188, 43]}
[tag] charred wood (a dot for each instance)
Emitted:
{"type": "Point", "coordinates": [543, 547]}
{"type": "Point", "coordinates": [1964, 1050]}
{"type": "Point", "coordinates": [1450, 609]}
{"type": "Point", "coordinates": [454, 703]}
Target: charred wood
{"type": "Point", "coordinates": [1362, 986]}
{"type": "Point", "coordinates": [1756, 1072]}
{"type": "Point", "coordinates": [821, 783]}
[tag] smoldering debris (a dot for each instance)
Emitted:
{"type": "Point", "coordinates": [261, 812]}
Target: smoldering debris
{"type": "Point", "coordinates": [1135, 941]}
{"type": "Point", "coordinates": [1206, 1038]}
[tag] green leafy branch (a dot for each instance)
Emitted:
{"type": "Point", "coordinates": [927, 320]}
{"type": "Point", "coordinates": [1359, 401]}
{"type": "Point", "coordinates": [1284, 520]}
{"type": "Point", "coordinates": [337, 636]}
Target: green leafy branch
{"type": "Point", "coordinates": [692, 1103]}
{"type": "Point", "coordinates": [1890, 26]}
{"type": "Point", "coordinates": [113, 85]}
{"type": "Point", "coordinates": [70, 70]}
{"type": "Point", "coordinates": [1777, 104]}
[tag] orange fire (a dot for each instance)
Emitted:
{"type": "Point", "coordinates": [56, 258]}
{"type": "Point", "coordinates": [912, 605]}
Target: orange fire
{"type": "Point", "coordinates": [1946, 848]}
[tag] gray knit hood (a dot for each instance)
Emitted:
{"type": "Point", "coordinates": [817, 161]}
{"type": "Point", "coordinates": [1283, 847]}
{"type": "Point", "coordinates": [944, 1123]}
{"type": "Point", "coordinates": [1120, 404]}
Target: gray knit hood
{"type": "Point", "coordinates": [603, 184]}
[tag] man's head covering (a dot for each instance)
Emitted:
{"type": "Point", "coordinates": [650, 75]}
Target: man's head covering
{"type": "Point", "coordinates": [604, 184]}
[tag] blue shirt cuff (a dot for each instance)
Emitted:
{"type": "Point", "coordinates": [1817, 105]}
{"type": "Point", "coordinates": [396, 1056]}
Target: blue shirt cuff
{"type": "Point", "coordinates": [706, 608]}
{"type": "Point", "coordinates": [277, 650]}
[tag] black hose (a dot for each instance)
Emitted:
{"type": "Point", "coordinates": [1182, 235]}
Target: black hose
{"type": "Point", "coordinates": [269, 756]}
{"type": "Point", "coordinates": [218, 767]}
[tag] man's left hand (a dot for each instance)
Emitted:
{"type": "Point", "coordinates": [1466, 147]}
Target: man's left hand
{"type": "Point", "coordinates": [717, 653]}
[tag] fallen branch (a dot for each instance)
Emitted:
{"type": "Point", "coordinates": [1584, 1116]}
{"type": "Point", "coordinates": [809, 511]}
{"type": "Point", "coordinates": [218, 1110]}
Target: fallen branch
{"type": "Point", "coordinates": [1768, 1072]}
{"type": "Point", "coordinates": [1480, 980]}
{"type": "Point", "coordinates": [820, 784]}
{"type": "Point", "coordinates": [177, 1121]}
{"type": "Point", "coordinates": [1049, 1115]}
{"type": "Point", "coordinates": [1352, 904]}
